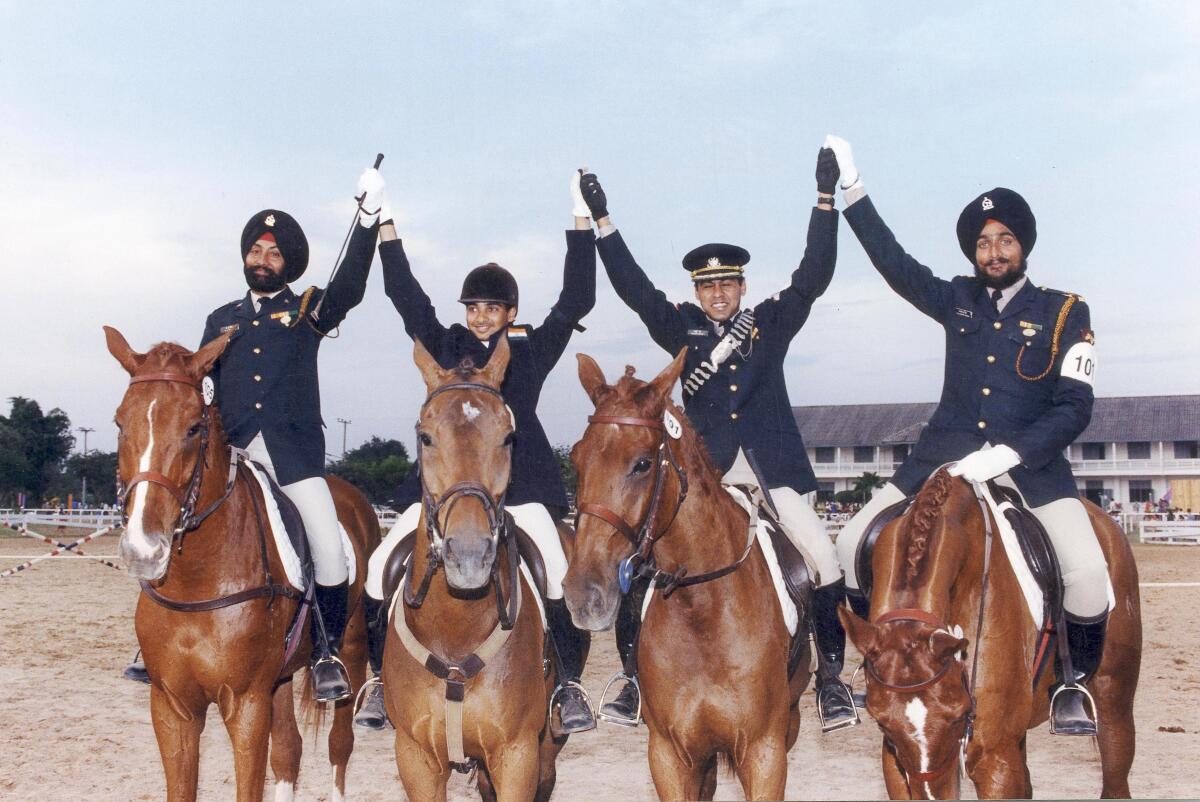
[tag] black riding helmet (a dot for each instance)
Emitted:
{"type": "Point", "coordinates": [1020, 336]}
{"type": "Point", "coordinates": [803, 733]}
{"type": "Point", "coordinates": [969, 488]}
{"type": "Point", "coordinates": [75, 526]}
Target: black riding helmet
{"type": "Point", "coordinates": [489, 283]}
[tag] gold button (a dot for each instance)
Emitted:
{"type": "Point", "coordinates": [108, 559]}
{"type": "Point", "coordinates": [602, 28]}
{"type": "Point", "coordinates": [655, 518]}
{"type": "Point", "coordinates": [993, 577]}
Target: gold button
{"type": "Point", "coordinates": [258, 405]}
{"type": "Point", "coordinates": [733, 388]}
{"type": "Point", "coordinates": [733, 416]}
{"type": "Point", "coordinates": [982, 424]}
{"type": "Point", "coordinates": [997, 325]}
{"type": "Point", "coordinates": [733, 367]}
{"type": "Point", "coordinates": [257, 378]}
{"type": "Point", "coordinates": [991, 359]}
{"type": "Point", "coordinates": [987, 391]}
{"type": "Point", "coordinates": [253, 322]}
{"type": "Point", "coordinates": [258, 350]}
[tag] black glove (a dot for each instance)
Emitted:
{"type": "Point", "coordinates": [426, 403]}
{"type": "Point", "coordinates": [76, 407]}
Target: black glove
{"type": "Point", "coordinates": [593, 195]}
{"type": "Point", "coordinates": [827, 171]}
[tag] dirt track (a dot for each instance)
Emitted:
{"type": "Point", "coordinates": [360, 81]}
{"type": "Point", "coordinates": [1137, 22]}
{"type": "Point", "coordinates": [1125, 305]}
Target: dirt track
{"type": "Point", "coordinates": [73, 729]}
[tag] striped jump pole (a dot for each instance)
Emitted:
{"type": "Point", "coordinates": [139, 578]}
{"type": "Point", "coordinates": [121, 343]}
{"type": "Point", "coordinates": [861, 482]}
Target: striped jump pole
{"type": "Point", "coordinates": [66, 547]}
{"type": "Point", "coordinates": [75, 546]}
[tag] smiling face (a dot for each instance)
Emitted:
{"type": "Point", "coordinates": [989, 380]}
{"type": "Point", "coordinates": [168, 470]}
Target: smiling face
{"type": "Point", "coordinates": [999, 259]}
{"type": "Point", "coordinates": [264, 267]}
{"type": "Point", "coordinates": [485, 318]}
{"type": "Point", "coordinates": [720, 299]}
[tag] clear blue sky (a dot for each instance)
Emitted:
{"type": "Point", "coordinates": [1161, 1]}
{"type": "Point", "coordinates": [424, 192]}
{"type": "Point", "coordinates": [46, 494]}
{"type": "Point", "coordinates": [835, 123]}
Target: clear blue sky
{"type": "Point", "coordinates": [135, 140]}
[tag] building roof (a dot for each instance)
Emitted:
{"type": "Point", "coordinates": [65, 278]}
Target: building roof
{"type": "Point", "coordinates": [1120, 419]}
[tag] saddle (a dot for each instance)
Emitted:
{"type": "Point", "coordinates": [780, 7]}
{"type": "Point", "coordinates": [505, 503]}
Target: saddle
{"type": "Point", "coordinates": [866, 546]}
{"type": "Point", "coordinates": [293, 524]}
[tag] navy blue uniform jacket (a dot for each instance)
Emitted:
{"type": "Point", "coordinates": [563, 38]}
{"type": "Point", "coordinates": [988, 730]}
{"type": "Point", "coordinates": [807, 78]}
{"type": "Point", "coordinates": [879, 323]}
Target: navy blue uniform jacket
{"type": "Point", "coordinates": [745, 403]}
{"type": "Point", "coordinates": [533, 353]}
{"type": "Point", "coordinates": [983, 397]}
{"type": "Point", "coordinates": [267, 378]}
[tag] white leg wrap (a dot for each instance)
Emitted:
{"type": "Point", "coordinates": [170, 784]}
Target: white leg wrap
{"type": "Point", "coordinates": [537, 523]}
{"type": "Point", "coordinates": [854, 530]}
{"type": "Point", "coordinates": [407, 522]}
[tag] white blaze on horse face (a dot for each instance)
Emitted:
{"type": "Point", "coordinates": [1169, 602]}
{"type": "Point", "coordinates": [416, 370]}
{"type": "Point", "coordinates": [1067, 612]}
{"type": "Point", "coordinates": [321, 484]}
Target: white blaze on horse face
{"type": "Point", "coordinates": [135, 533]}
{"type": "Point", "coordinates": [470, 411]}
{"type": "Point", "coordinates": [916, 713]}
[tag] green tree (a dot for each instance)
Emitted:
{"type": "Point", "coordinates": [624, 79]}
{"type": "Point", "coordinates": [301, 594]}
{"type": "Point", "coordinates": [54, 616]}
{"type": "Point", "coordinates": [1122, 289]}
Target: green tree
{"type": "Point", "coordinates": [100, 470]}
{"type": "Point", "coordinates": [567, 469]}
{"type": "Point", "coordinates": [43, 441]}
{"type": "Point", "coordinates": [864, 484]}
{"type": "Point", "coordinates": [376, 468]}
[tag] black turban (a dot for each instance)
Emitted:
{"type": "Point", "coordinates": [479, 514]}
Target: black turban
{"type": "Point", "coordinates": [289, 237]}
{"type": "Point", "coordinates": [1003, 206]}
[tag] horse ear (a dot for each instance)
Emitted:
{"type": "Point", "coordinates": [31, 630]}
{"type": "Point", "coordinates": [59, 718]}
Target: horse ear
{"type": "Point", "coordinates": [591, 377]}
{"type": "Point", "coordinates": [431, 371]}
{"type": "Point", "coordinates": [664, 382]}
{"type": "Point", "coordinates": [119, 347]}
{"type": "Point", "coordinates": [493, 372]}
{"type": "Point", "coordinates": [862, 634]}
{"type": "Point", "coordinates": [945, 644]}
{"type": "Point", "coordinates": [202, 361]}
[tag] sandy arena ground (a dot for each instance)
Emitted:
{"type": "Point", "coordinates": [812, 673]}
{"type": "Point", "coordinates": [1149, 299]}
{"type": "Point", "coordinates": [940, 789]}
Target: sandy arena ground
{"type": "Point", "coordinates": [71, 728]}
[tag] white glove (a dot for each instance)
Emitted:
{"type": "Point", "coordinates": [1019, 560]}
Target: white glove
{"type": "Point", "coordinates": [372, 197]}
{"type": "Point", "coordinates": [580, 207]}
{"type": "Point", "coordinates": [986, 463]}
{"type": "Point", "coordinates": [845, 160]}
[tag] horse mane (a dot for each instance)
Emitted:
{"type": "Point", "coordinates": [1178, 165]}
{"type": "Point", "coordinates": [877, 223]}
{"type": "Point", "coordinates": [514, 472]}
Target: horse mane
{"type": "Point", "coordinates": [926, 510]}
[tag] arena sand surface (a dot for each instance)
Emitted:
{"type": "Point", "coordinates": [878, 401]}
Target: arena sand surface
{"type": "Point", "coordinates": [71, 728]}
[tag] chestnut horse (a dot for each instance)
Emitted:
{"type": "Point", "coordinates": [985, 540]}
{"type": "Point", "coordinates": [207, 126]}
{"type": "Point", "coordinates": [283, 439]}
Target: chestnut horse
{"type": "Point", "coordinates": [934, 692]}
{"type": "Point", "coordinates": [464, 679]}
{"type": "Point", "coordinates": [215, 607]}
{"type": "Point", "coordinates": [713, 655]}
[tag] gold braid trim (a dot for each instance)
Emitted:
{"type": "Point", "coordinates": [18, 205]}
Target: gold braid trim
{"type": "Point", "coordinates": [1058, 329]}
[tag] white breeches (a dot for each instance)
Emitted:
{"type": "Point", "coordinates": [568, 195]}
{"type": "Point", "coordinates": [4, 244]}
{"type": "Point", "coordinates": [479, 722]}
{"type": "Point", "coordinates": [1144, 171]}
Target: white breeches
{"type": "Point", "coordinates": [800, 522]}
{"type": "Point", "coordinates": [535, 519]}
{"type": "Point", "coordinates": [315, 503]}
{"type": "Point", "coordinates": [1084, 568]}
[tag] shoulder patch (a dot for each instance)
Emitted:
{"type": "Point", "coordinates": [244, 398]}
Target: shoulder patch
{"type": "Point", "coordinates": [518, 332]}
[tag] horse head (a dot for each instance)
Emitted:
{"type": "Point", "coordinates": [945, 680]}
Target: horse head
{"type": "Point", "coordinates": [464, 446]}
{"type": "Point", "coordinates": [617, 462]}
{"type": "Point", "coordinates": [162, 426]}
{"type": "Point", "coordinates": [918, 687]}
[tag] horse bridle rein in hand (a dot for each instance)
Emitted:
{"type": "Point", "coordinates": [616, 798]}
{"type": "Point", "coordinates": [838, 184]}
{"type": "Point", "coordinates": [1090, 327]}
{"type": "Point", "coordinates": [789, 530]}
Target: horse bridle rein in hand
{"type": "Point", "coordinates": [433, 506]}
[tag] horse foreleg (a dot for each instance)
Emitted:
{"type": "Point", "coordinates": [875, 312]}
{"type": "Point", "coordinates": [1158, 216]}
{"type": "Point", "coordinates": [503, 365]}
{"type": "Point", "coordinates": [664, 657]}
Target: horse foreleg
{"type": "Point", "coordinates": [708, 782]}
{"type": "Point", "coordinates": [763, 768]}
{"type": "Point", "coordinates": [341, 734]}
{"type": "Point", "coordinates": [893, 776]}
{"type": "Point", "coordinates": [1116, 732]}
{"type": "Point", "coordinates": [422, 774]}
{"type": "Point", "coordinates": [675, 777]}
{"type": "Point", "coordinates": [177, 730]}
{"type": "Point", "coordinates": [547, 765]}
{"type": "Point", "coordinates": [248, 721]}
{"type": "Point", "coordinates": [514, 769]}
{"type": "Point", "coordinates": [286, 744]}
{"type": "Point", "coordinates": [1001, 773]}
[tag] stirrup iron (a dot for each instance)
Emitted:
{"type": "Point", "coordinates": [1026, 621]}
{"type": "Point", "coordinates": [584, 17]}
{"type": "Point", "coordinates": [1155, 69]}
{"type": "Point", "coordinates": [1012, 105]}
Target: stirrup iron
{"type": "Point", "coordinates": [624, 722]}
{"type": "Point", "coordinates": [1089, 702]}
{"type": "Point", "coordinates": [562, 686]}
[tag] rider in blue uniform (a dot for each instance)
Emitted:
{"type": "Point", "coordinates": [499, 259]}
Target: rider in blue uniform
{"type": "Point", "coordinates": [735, 395]}
{"type": "Point", "coordinates": [1017, 391]}
{"type": "Point", "coordinates": [536, 495]}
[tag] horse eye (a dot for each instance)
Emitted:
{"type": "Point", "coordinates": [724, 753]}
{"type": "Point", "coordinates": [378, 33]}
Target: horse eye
{"type": "Point", "coordinates": [642, 465]}
{"type": "Point", "coordinates": [193, 430]}
{"type": "Point", "coordinates": [425, 439]}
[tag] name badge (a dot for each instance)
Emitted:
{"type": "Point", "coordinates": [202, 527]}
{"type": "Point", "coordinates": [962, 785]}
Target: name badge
{"type": "Point", "coordinates": [234, 327]}
{"type": "Point", "coordinates": [958, 310]}
{"type": "Point", "coordinates": [698, 332]}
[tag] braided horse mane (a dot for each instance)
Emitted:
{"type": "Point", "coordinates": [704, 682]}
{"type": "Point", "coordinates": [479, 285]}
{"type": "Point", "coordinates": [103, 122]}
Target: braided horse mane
{"type": "Point", "coordinates": [926, 511]}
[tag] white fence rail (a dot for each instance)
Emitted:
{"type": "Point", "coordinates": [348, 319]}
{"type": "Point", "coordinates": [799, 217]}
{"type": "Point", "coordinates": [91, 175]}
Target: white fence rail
{"type": "Point", "coordinates": [1174, 533]}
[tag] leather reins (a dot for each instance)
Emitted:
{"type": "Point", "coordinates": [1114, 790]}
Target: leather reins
{"type": "Point", "coordinates": [641, 563]}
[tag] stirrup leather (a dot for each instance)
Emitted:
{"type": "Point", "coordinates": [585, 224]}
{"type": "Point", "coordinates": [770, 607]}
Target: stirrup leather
{"type": "Point", "coordinates": [1089, 704]}
{"type": "Point", "coordinates": [587, 700]}
{"type": "Point", "coordinates": [622, 721]}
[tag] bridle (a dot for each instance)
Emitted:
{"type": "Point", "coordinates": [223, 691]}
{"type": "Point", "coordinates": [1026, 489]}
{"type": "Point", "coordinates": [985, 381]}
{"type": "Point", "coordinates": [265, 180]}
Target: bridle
{"type": "Point", "coordinates": [188, 496]}
{"type": "Point", "coordinates": [433, 506]}
{"type": "Point", "coordinates": [641, 563]}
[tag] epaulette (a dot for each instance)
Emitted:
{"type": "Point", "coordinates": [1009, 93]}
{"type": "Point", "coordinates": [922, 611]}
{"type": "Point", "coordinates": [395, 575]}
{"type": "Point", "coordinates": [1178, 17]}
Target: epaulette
{"type": "Point", "coordinates": [1064, 292]}
{"type": "Point", "coordinates": [518, 332]}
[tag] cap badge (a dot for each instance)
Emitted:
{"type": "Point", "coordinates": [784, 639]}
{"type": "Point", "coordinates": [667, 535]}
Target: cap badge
{"type": "Point", "coordinates": [714, 261]}
{"type": "Point", "coordinates": [271, 218]}
{"type": "Point", "coordinates": [987, 204]}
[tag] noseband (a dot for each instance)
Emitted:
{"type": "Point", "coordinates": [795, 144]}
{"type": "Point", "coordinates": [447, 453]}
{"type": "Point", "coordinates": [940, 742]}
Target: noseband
{"type": "Point", "coordinates": [434, 506]}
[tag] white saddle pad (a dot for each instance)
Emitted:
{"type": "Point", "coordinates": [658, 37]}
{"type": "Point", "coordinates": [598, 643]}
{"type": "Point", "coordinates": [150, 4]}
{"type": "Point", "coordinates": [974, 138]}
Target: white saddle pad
{"type": "Point", "coordinates": [283, 544]}
{"type": "Point", "coordinates": [763, 538]}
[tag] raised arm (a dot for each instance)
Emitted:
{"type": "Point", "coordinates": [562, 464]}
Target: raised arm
{"type": "Point", "coordinates": [661, 317]}
{"type": "Point", "coordinates": [414, 306]}
{"type": "Point", "coordinates": [912, 280]}
{"type": "Point", "coordinates": [349, 283]}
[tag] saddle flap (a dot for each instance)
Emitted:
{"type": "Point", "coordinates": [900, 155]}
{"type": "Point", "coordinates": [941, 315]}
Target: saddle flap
{"type": "Point", "coordinates": [866, 546]}
{"type": "Point", "coordinates": [393, 570]}
{"type": "Point", "coordinates": [530, 556]}
{"type": "Point", "coordinates": [1039, 556]}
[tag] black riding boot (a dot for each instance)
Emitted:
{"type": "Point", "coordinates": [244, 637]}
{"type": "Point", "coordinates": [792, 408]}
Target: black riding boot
{"type": "Point", "coordinates": [626, 707]}
{"type": "Point", "coordinates": [372, 714]}
{"type": "Point", "coordinates": [859, 603]}
{"type": "Point", "coordinates": [1072, 709]}
{"type": "Point", "coordinates": [574, 708]}
{"type": "Point", "coordinates": [330, 682]}
{"type": "Point", "coordinates": [834, 703]}
{"type": "Point", "coordinates": [136, 670]}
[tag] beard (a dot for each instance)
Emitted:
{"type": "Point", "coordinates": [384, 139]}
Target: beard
{"type": "Point", "coordinates": [268, 282]}
{"type": "Point", "coordinates": [1004, 281]}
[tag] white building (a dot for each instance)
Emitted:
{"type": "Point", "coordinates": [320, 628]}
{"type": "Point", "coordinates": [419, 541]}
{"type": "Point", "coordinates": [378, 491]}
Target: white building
{"type": "Point", "coordinates": [1136, 449]}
